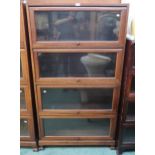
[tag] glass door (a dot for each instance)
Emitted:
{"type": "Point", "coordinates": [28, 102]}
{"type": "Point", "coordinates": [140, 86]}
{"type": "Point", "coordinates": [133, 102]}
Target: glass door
{"type": "Point", "coordinates": [24, 128]}
{"type": "Point", "coordinates": [78, 26]}
{"type": "Point", "coordinates": [25, 100]}
{"type": "Point", "coordinates": [78, 65]}
{"type": "Point", "coordinates": [76, 127]}
{"type": "Point", "coordinates": [76, 101]}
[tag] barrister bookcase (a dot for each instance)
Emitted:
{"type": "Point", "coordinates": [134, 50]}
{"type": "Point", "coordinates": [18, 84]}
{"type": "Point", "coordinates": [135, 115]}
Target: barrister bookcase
{"type": "Point", "coordinates": [126, 123]}
{"type": "Point", "coordinates": [27, 132]}
{"type": "Point", "coordinates": [77, 53]}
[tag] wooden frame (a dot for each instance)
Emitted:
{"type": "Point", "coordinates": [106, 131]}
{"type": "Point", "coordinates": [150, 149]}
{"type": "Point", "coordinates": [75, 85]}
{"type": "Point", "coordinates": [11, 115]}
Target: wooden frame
{"type": "Point", "coordinates": [76, 112]}
{"type": "Point", "coordinates": [127, 146]}
{"type": "Point", "coordinates": [79, 44]}
{"type": "Point", "coordinates": [22, 32]}
{"type": "Point", "coordinates": [28, 113]}
{"type": "Point", "coordinates": [25, 82]}
{"type": "Point", "coordinates": [130, 93]}
{"type": "Point", "coordinates": [23, 27]}
{"type": "Point", "coordinates": [79, 80]}
{"type": "Point", "coordinates": [72, 2]}
{"type": "Point", "coordinates": [31, 136]}
{"type": "Point", "coordinates": [76, 143]}
{"type": "Point", "coordinates": [126, 96]}
{"type": "Point", "coordinates": [77, 140]}
{"type": "Point", "coordinates": [56, 140]}
{"type": "Point", "coordinates": [28, 110]}
{"type": "Point", "coordinates": [24, 65]}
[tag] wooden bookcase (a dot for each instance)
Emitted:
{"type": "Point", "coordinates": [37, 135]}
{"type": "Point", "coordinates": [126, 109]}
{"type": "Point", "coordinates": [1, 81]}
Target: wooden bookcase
{"type": "Point", "coordinates": [77, 53]}
{"type": "Point", "coordinates": [126, 124]}
{"type": "Point", "coordinates": [27, 129]}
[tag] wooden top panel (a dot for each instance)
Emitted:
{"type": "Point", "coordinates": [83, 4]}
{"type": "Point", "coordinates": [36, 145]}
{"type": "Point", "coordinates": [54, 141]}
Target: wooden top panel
{"type": "Point", "coordinates": [72, 2]}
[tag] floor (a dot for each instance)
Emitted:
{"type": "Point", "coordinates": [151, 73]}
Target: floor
{"type": "Point", "coordinates": [72, 151]}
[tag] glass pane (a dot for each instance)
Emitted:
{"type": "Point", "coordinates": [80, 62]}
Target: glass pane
{"type": "Point", "coordinates": [76, 127]}
{"type": "Point", "coordinates": [76, 98]}
{"type": "Point", "coordinates": [77, 25]}
{"type": "Point", "coordinates": [24, 127]}
{"type": "Point", "coordinates": [133, 84]}
{"type": "Point", "coordinates": [21, 72]}
{"type": "Point", "coordinates": [129, 135]}
{"type": "Point", "coordinates": [76, 64]}
{"type": "Point", "coordinates": [130, 111]}
{"type": "Point", "coordinates": [22, 99]}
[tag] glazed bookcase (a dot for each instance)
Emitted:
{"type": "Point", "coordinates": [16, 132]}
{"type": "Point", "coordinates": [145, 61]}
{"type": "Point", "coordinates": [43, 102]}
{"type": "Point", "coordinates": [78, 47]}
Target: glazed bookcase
{"type": "Point", "coordinates": [77, 67]}
{"type": "Point", "coordinates": [27, 132]}
{"type": "Point", "coordinates": [126, 125]}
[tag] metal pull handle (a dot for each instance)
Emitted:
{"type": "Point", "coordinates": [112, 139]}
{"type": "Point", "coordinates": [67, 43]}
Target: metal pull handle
{"type": "Point", "coordinates": [44, 91]}
{"type": "Point", "coordinates": [25, 121]}
{"type": "Point", "coordinates": [117, 15]}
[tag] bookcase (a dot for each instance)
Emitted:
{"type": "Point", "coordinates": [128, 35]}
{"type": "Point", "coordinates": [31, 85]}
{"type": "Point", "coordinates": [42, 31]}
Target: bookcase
{"type": "Point", "coordinates": [77, 53]}
{"type": "Point", "coordinates": [27, 127]}
{"type": "Point", "coordinates": [126, 123]}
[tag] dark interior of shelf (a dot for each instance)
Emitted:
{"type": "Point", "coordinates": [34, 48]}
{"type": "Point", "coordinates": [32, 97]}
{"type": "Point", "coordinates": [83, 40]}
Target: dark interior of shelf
{"type": "Point", "coordinates": [128, 135]}
{"type": "Point", "coordinates": [68, 98]}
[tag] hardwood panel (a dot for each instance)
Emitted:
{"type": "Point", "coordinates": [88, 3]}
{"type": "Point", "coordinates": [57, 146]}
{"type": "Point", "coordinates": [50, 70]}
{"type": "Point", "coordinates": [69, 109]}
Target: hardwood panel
{"type": "Point", "coordinates": [72, 2]}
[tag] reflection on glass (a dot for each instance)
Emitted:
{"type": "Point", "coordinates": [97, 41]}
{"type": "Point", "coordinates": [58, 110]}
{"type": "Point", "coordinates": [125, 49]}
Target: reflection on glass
{"type": "Point", "coordinates": [24, 127]}
{"type": "Point", "coordinates": [133, 84]}
{"type": "Point", "coordinates": [76, 98]}
{"type": "Point", "coordinates": [77, 25]}
{"type": "Point", "coordinates": [76, 127]}
{"type": "Point", "coordinates": [130, 111]}
{"type": "Point", "coordinates": [77, 64]}
{"type": "Point", "coordinates": [22, 99]}
{"type": "Point", "coordinates": [129, 135]}
{"type": "Point", "coordinates": [21, 72]}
